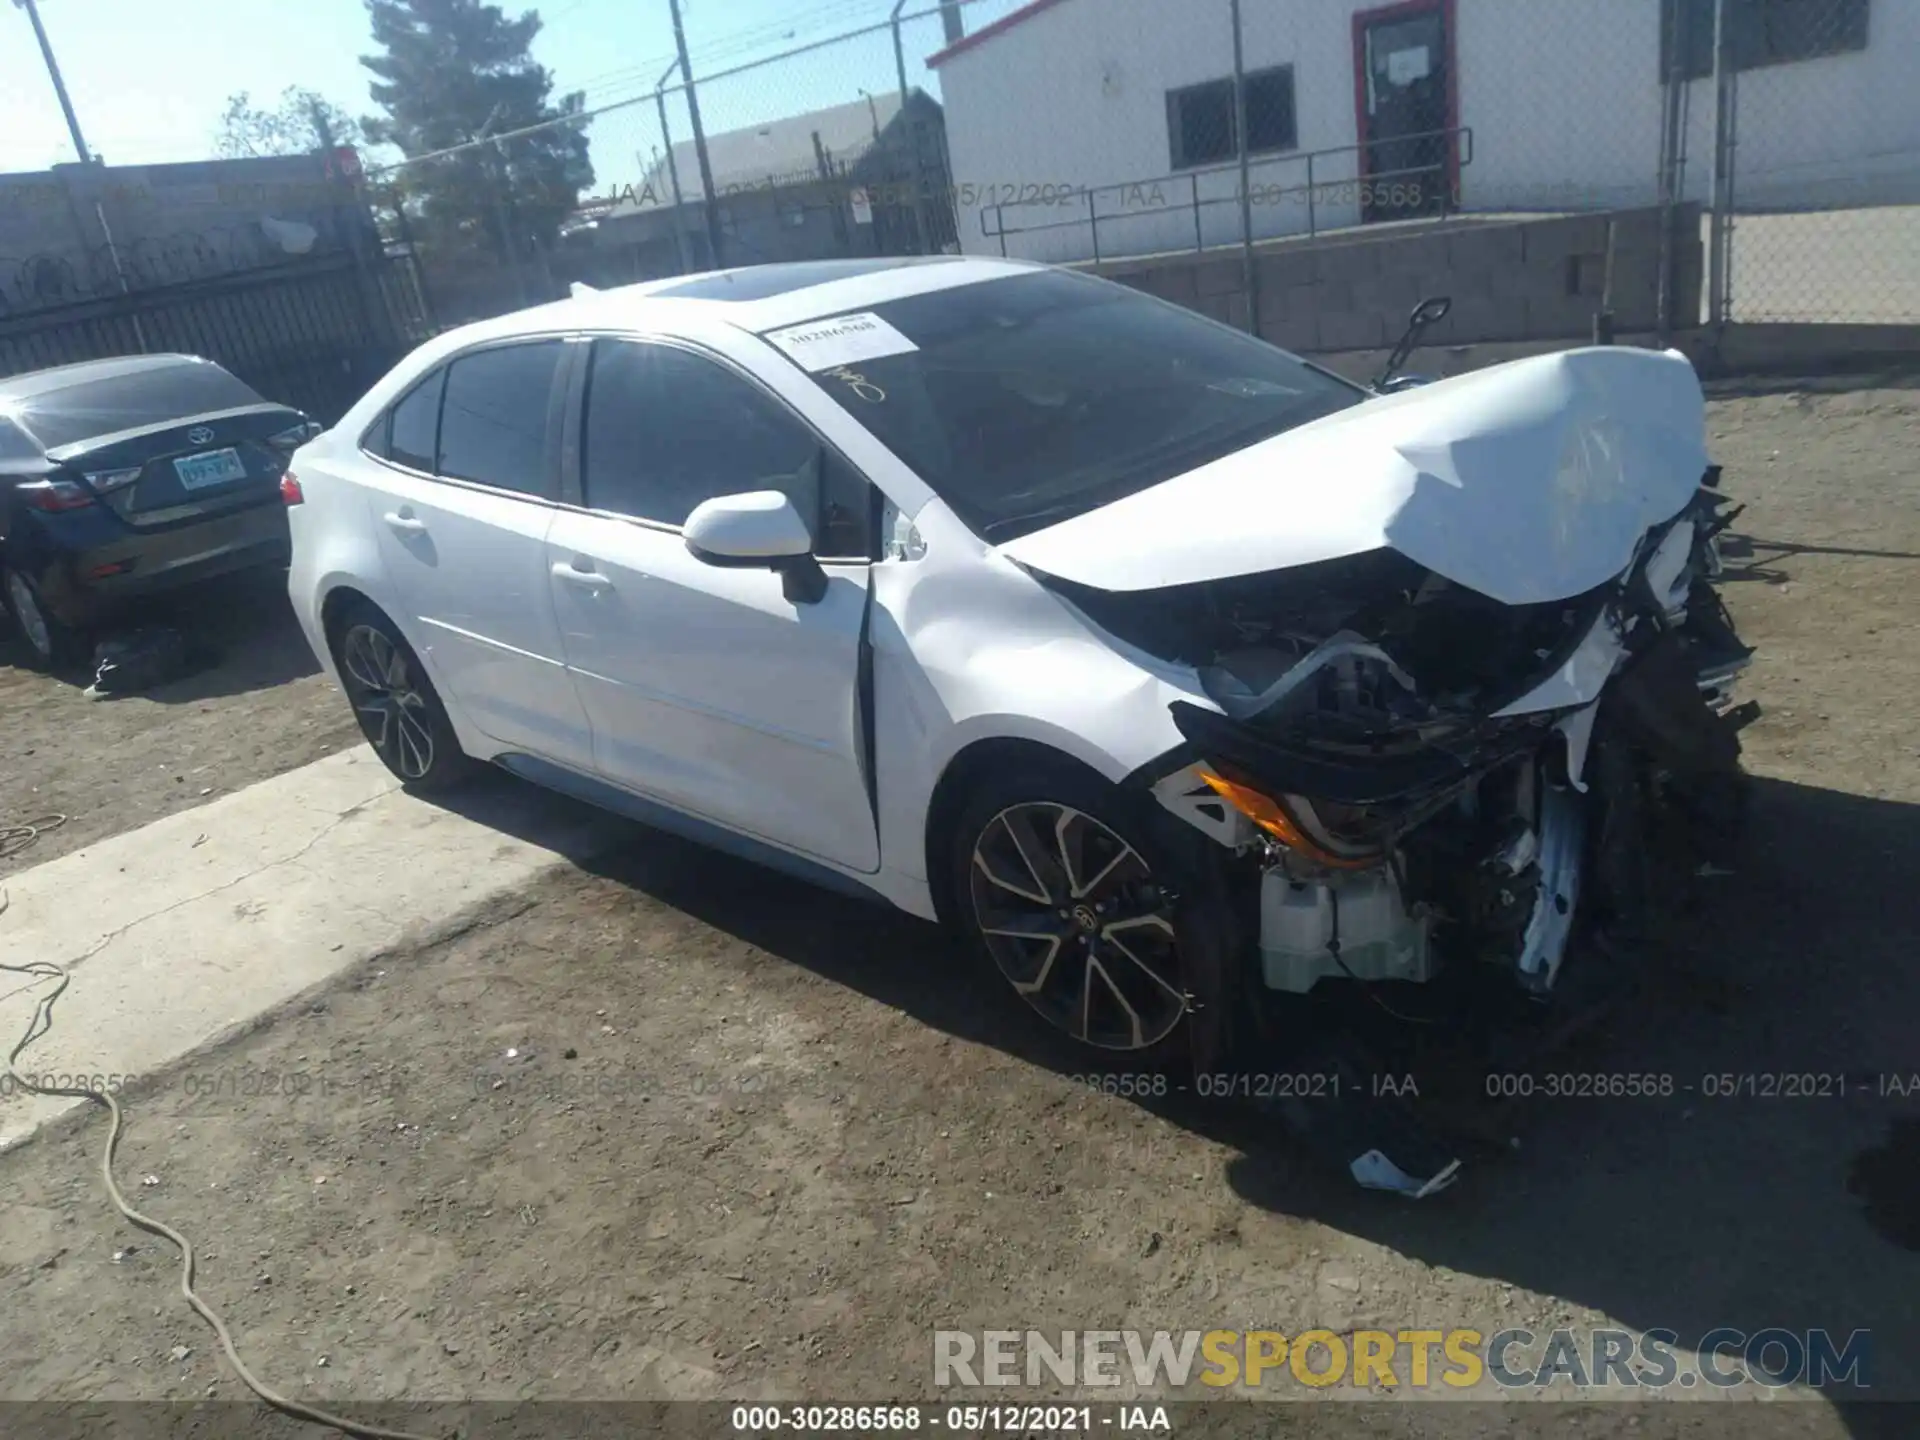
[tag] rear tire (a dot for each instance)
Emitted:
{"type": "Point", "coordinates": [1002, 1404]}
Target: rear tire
{"type": "Point", "coordinates": [1069, 893]}
{"type": "Point", "coordinates": [397, 707]}
{"type": "Point", "coordinates": [51, 646]}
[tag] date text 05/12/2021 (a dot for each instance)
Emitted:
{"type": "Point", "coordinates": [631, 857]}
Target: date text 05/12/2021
{"type": "Point", "coordinates": [1522, 1085]}
{"type": "Point", "coordinates": [1012, 1419]}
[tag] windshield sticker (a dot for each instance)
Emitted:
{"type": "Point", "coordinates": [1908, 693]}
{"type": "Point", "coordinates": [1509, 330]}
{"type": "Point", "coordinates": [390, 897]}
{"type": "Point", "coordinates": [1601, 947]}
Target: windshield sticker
{"type": "Point", "coordinates": [825, 344]}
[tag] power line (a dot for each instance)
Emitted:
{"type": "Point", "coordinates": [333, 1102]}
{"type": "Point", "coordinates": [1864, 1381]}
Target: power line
{"type": "Point", "coordinates": [729, 46]}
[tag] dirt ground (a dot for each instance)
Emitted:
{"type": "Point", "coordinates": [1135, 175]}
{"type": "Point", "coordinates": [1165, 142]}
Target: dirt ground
{"type": "Point", "coordinates": [260, 707]}
{"type": "Point", "coordinates": [679, 1128]}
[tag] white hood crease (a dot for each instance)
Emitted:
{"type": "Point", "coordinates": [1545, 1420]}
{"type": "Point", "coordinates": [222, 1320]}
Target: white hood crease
{"type": "Point", "coordinates": [1528, 482]}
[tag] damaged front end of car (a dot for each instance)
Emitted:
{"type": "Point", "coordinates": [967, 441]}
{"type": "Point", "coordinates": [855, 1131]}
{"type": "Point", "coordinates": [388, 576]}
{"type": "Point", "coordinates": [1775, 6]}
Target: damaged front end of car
{"type": "Point", "coordinates": [1420, 790]}
{"type": "Point", "coordinates": [1417, 785]}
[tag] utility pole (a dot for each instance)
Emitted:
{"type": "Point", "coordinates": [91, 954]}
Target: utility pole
{"type": "Point", "coordinates": [1673, 164]}
{"type": "Point", "coordinates": [673, 169]}
{"type": "Point", "coordinates": [59, 85]}
{"type": "Point", "coordinates": [699, 138]}
{"type": "Point", "coordinates": [909, 117]}
{"type": "Point", "coordinates": [1248, 274]}
{"type": "Point", "coordinates": [509, 251]}
{"type": "Point", "coordinates": [1726, 81]}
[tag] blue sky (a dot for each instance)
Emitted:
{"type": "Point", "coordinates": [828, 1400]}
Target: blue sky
{"type": "Point", "coordinates": [149, 78]}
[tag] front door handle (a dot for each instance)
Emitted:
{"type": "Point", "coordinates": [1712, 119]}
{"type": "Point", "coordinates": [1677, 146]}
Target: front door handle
{"type": "Point", "coordinates": [573, 575]}
{"type": "Point", "coordinates": [404, 523]}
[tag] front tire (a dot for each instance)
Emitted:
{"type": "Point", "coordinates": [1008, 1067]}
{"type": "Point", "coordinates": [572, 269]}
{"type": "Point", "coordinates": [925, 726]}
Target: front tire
{"type": "Point", "coordinates": [397, 707]}
{"type": "Point", "coordinates": [1068, 891]}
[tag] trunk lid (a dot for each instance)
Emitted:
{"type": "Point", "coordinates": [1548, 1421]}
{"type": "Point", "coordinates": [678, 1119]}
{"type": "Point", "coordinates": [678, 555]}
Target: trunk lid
{"type": "Point", "coordinates": [227, 464]}
{"type": "Point", "coordinates": [1527, 482]}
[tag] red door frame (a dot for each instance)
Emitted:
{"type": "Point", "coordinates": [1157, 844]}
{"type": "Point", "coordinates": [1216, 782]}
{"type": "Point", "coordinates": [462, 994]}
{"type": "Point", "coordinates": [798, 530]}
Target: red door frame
{"type": "Point", "coordinates": [1406, 10]}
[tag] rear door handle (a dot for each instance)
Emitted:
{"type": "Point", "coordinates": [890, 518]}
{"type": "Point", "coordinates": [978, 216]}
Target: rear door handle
{"type": "Point", "coordinates": [405, 524]}
{"type": "Point", "coordinates": [590, 579]}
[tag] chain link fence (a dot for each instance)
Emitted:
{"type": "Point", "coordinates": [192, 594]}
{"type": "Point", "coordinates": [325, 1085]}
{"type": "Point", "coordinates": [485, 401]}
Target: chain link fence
{"type": "Point", "coordinates": [1818, 193]}
{"type": "Point", "coordinates": [1682, 161]}
{"type": "Point", "coordinates": [837, 149]}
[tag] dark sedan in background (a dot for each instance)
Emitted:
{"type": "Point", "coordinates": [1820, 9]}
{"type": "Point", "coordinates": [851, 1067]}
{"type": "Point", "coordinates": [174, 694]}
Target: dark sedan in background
{"type": "Point", "coordinates": [122, 478]}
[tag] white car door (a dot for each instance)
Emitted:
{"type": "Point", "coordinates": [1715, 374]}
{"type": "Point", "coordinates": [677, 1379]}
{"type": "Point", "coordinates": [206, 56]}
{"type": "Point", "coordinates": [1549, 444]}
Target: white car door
{"type": "Point", "coordinates": [461, 501]}
{"type": "Point", "coordinates": [705, 687]}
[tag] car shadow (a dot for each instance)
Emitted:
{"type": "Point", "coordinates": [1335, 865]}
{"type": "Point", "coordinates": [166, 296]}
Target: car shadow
{"type": "Point", "coordinates": [1766, 551]}
{"type": "Point", "coordinates": [1727, 1202]}
{"type": "Point", "coordinates": [1779, 1184]}
{"type": "Point", "coordinates": [240, 631]}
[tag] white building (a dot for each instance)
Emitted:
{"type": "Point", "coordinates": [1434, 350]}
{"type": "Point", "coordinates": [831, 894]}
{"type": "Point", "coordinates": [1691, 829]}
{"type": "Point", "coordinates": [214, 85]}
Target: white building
{"type": "Point", "coordinates": [1126, 106]}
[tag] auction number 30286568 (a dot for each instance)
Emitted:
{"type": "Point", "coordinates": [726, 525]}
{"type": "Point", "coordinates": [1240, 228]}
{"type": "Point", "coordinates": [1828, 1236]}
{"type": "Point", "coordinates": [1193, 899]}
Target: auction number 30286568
{"type": "Point", "coordinates": [768, 1419]}
{"type": "Point", "coordinates": [874, 1419]}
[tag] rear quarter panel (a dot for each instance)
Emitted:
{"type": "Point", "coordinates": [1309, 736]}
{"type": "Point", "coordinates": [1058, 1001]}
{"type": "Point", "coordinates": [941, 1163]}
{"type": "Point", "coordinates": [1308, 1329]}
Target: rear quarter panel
{"type": "Point", "coordinates": [333, 546]}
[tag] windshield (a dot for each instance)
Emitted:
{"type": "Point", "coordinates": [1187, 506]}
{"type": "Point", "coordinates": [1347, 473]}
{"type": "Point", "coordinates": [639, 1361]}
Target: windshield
{"type": "Point", "coordinates": [1027, 400]}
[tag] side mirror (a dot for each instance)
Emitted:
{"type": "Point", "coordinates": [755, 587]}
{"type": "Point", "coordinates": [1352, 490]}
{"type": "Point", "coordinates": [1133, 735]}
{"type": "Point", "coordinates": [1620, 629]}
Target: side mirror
{"type": "Point", "coordinates": [759, 530]}
{"type": "Point", "coordinates": [1430, 311]}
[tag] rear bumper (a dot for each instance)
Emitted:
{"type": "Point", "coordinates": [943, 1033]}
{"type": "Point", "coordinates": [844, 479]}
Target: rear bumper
{"type": "Point", "coordinates": [83, 584]}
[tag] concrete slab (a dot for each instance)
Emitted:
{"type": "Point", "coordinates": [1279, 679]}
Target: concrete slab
{"type": "Point", "coordinates": [181, 931]}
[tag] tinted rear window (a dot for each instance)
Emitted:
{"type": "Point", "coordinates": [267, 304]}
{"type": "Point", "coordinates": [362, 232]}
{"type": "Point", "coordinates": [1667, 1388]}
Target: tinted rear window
{"type": "Point", "coordinates": [493, 422]}
{"type": "Point", "coordinates": [416, 425]}
{"type": "Point", "coordinates": [94, 408]}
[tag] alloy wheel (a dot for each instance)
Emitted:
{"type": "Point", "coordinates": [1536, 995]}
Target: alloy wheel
{"type": "Point", "coordinates": [1074, 919]}
{"type": "Point", "coordinates": [392, 708]}
{"type": "Point", "coordinates": [26, 613]}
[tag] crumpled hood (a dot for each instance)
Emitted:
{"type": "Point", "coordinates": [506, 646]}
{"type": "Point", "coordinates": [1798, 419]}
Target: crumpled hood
{"type": "Point", "coordinates": [1529, 481]}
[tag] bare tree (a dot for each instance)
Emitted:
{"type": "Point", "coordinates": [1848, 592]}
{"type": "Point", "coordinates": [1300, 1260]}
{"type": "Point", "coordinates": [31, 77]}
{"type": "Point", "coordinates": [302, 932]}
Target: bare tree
{"type": "Point", "coordinates": [302, 122]}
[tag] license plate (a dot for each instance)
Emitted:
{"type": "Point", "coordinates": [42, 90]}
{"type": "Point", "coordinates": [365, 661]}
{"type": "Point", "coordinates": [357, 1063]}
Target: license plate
{"type": "Point", "coordinates": [215, 467]}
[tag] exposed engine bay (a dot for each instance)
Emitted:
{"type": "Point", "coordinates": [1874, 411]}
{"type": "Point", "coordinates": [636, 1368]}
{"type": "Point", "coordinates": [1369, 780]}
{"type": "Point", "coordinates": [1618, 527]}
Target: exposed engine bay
{"type": "Point", "coordinates": [1453, 686]}
{"type": "Point", "coordinates": [1395, 751]}
{"type": "Point", "coordinates": [1416, 781]}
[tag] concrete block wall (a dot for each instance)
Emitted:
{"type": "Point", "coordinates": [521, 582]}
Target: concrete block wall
{"type": "Point", "coordinates": [1512, 280]}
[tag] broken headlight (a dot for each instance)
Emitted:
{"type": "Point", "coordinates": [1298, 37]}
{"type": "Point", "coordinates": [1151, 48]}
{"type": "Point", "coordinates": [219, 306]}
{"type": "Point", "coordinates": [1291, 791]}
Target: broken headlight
{"type": "Point", "coordinates": [1336, 837]}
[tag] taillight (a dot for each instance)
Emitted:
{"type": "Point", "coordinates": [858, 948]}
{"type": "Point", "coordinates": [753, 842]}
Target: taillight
{"type": "Point", "coordinates": [105, 480]}
{"type": "Point", "coordinates": [293, 439]}
{"type": "Point", "coordinates": [55, 495]}
{"type": "Point", "coordinates": [290, 490]}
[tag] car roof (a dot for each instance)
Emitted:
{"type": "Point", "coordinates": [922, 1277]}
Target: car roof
{"type": "Point", "coordinates": [755, 298]}
{"type": "Point", "coordinates": [35, 383]}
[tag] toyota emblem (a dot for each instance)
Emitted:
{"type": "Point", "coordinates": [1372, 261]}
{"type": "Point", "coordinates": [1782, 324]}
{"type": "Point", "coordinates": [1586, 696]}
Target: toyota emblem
{"type": "Point", "coordinates": [199, 435]}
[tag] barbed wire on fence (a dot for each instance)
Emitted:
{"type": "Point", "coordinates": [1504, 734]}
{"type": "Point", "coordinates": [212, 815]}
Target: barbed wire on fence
{"type": "Point", "coordinates": [50, 278]}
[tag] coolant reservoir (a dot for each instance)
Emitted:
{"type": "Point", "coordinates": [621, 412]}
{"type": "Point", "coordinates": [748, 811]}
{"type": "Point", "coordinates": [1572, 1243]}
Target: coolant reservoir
{"type": "Point", "coordinates": [1379, 940]}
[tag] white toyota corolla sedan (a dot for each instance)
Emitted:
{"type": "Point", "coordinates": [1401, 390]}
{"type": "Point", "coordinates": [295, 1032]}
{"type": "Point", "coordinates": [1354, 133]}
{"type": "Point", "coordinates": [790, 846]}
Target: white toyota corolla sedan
{"type": "Point", "coordinates": [1196, 682]}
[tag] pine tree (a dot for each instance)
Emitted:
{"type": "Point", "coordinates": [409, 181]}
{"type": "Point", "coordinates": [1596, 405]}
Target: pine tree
{"type": "Point", "coordinates": [455, 71]}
